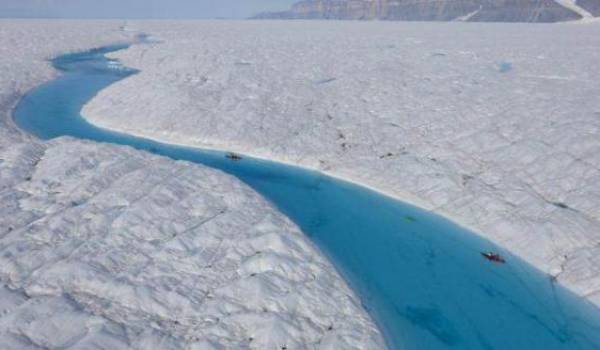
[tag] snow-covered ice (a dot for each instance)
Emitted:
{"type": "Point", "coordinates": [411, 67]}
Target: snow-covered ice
{"type": "Point", "coordinates": [117, 242]}
{"type": "Point", "coordinates": [495, 126]}
{"type": "Point", "coordinates": [106, 247]}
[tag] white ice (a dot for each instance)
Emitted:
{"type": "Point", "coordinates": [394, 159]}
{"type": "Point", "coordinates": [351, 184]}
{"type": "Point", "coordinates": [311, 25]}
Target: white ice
{"type": "Point", "coordinates": [496, 126]}
{"type": "Point", "coordinates": [105, 247]}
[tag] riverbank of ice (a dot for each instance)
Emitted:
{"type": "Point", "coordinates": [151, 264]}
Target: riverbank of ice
{"type": "Point", "coordinates": [495, 126]}
{"type": "Point", "coordinates": [105, 246]}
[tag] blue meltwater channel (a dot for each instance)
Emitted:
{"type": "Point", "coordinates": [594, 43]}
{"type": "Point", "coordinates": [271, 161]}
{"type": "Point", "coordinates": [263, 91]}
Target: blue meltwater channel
{"type": "Point", "coordinates": [421, 277]}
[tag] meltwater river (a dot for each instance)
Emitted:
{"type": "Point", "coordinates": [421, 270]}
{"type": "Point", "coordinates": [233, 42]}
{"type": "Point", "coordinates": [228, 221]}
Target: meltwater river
{"type": "Point", "coordinates": [421, 277]}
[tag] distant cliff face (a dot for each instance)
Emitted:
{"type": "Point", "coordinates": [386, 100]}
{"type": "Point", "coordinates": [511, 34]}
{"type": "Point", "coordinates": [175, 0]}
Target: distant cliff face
{"type": "Point", "coordinates": [593, 6]}
{"type": "Point", "coordinates": [430, 10]}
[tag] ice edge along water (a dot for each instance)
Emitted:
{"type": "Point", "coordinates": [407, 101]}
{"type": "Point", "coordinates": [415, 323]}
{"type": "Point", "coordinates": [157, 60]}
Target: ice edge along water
{"type": "Point", "coordinates": [430, 320]}
{"type": "Point", "coordinates": [124, 249]}
{"type": "Point", "coordinates": [415, 113]}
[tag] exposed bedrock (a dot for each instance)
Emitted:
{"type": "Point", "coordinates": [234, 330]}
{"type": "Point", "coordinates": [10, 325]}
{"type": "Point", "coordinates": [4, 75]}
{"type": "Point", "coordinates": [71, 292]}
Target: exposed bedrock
{"type": "Point", "coordinates": [422, 10]}
{"type": "Point", "coordinates": [592, 6]}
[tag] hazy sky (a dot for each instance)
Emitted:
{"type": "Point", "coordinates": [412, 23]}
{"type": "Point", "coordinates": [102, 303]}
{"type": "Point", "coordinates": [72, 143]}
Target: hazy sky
{"type": "Point", "coordinates": [139, 8]}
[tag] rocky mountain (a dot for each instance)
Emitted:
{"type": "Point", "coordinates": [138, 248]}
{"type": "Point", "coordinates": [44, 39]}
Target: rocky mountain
{"type": "Point", "coordinates": [592, 6]}
{"type": "Point", "coordinates": [432, 10]}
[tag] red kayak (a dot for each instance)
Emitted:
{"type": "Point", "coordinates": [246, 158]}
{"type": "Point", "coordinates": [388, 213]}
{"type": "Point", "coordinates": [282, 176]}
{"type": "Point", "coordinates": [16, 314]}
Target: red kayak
{"type": "Point", "coordinates": [495, 257]}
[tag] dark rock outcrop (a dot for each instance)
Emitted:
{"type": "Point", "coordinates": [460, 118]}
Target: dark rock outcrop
{"type": "Point", "coordinates": [430, 10]}
{"type": "Point", "coordinates": [592, 6]}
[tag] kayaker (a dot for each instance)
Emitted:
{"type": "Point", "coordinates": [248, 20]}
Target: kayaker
{"type": "Point", "coordinates": [233, 156]}
{"type": "Point", "coordinates": [495, 257]}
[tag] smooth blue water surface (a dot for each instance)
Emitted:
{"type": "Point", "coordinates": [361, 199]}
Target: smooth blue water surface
{"type": "Point", "coordinates": [421, 277]}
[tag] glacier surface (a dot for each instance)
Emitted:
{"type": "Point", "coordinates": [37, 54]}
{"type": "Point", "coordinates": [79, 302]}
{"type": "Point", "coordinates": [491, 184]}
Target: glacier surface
{"type": "Point", "coordinates": [106, 247]}
{"type": "Point", "coordinates": [496, 126]}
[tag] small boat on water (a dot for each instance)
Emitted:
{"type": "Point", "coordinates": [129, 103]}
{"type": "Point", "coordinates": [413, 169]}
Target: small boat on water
{"type": "Point", "coordinates": [494, 257]}
{"type": "Point", "coordinates": [233, 156]}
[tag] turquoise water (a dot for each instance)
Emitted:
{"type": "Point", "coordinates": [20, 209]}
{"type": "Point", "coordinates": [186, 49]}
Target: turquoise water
{"type": "Point", "coordinates": [421, 277]}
